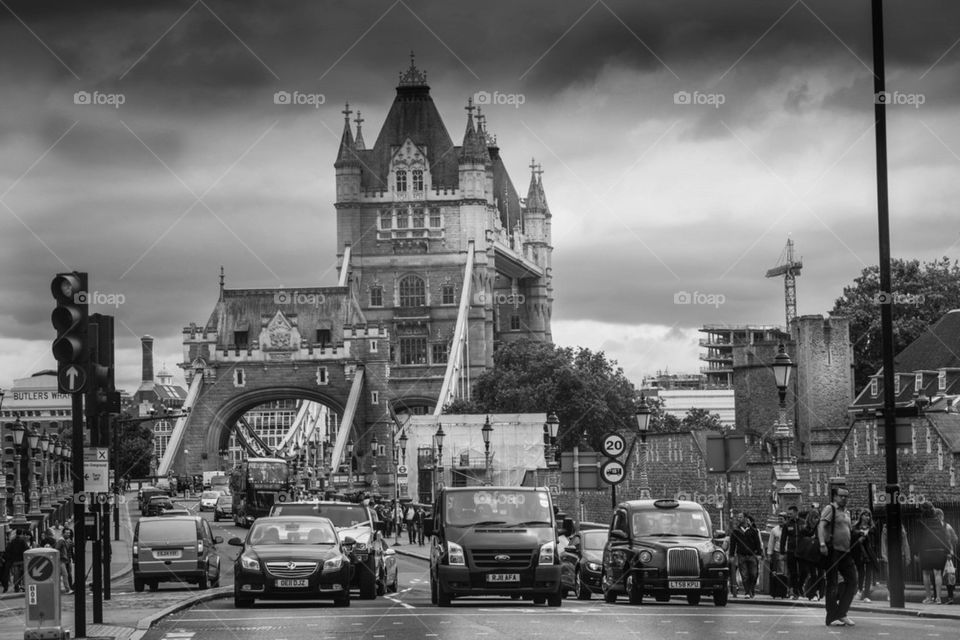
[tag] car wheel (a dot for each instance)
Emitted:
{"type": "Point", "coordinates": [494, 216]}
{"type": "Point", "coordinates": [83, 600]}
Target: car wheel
{"type": "Point", "coordinates": [242, 603]}
{"type": "Point", "coordinates": [634, 591]}
{"type": "Point", "coordinates": [720, 597]}
{"type": "Point", "coordinates": [202, 582]}
{"type": "Point", "coordinates": [368, 583]}
{"type": "Point", "coordinates": [216, 518]}
{"type": "Point", "coordinates": [693, 598]}
{"type": "Point", "coordinates": [609, 596]}
{"type": "Point", "coordinates": [443, 598]}
{"type": "Point", "coordinates": [382, 585]}
{"type": "Point", "coordinates": [539, 599]}
{"type": "Point", "coordinates": [554, 599]}
{"type": "Point", "coordinates": [138, 585]}
{"type": "Point", "coordinates": [582, 590]}
{"type": "Point", "coordinates": [662, 597]}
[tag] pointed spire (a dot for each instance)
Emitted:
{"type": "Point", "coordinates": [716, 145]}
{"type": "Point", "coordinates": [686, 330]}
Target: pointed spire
{"type": "Point", "coordinates": [540, 191]}
{"type": "Point", "coordinates": [472, 149]}
{"type": "Point", "coordinates": [358, 143]}
{"type": "Point", "coordinates": [533, 191]}
{"type": "Point", "coordinates": [413, 77]}
{"type": "Point", "coordinates": [346, 155]}
{"type": "Point", "coordinates": [221, 282]}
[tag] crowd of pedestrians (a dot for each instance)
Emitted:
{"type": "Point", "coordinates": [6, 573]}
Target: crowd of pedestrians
{"type": "Point", "coordinates": [831, 554]}
{"type": "Point", "coordinates": [400, 518]}
{"type": "Point", "coordinates": [20, 541]}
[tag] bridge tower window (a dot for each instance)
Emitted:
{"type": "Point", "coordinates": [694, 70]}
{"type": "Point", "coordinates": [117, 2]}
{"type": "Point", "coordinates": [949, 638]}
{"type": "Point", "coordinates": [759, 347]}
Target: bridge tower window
{"type": "Point", "coordinates": [412, 292]}
{"type": "Point", "coordinates": [401, 180]}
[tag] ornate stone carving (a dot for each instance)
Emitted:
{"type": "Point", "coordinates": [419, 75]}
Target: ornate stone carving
{"type": "Point", "coordinates": [280, 334]}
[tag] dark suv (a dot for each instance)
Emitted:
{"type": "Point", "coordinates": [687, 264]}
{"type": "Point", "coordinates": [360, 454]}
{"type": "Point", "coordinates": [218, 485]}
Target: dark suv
{"type": "Point", "coordinates": [357, 521]}
{"type": "Point", "coordinates": [663, 548]}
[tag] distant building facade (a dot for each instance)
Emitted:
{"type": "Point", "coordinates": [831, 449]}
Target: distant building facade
{"type": "Point", "coordinates": [718, 343]}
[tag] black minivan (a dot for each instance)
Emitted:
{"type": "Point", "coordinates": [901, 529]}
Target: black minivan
{"type": "Point", "coordinates": [494, 541]}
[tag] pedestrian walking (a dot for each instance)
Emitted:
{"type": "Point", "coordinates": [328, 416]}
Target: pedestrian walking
{"type": "Point", "coordinates": [789, 537]}
{"type": "Point", "coordinates": [835, 532]}
{"type": "Point", "coordinates": [65, 547]}
{"type": "Point", "coordinates": [933, 551]}
{"type": "Point", "coordinates": [863, 543]}
{"type": "Point", "coordinates": [19, 544]}
{"type": "Point", "coordinates": [775, 578]}
{"type": "Point", "coordinates": [811, 562]}
{"type": "Point", "coordinates": [950, 567]}
{"type": "Point", "coordinates": [420, 515]}
{"type": "Point", "coordinates": [746, 546]}
{"type": "Point", "coordinates": [408, 516]}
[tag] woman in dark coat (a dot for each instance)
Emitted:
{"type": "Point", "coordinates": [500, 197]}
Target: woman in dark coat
{"type": "Point", "coordinates": [814, 584]}
{"type": "Point", "coordinates": [932, 552]}
{"type": "Point", "coordinates": [864, 548]}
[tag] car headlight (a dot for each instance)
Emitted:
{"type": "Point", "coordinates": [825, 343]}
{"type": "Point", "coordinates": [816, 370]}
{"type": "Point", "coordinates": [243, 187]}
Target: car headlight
{"type": "Point", "coordinates": [249, 562]}
{"type": "Point", "coordinates": [719, 557]}
{"type": "Point", "coordinates": [455, 554]}
{"type": "Point", "coordinates": [645, 557]}
{"type": "Point", "coordinates": [548, 551]}
{"type": "Point", "coordinates": [333, 564]}
{"type": "Point", "coordinates": [593, 566]}
{"type": "Point", "coordinates": [360, 546]}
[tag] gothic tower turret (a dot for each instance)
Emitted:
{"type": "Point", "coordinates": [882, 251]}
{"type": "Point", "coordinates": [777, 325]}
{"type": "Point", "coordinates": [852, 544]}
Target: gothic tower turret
{"type": "Point", "coordinates": [347, 164]}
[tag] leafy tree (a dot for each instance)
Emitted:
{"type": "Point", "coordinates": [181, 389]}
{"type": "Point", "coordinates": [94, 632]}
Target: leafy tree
{"type": "Point", "coordinates": [922, 293]}
{"type": "Point", "coordinates": [701, 420]}
{"type": "Point", "coordinates": [135, 444]}
{"type": "Point", "coordinates": [588, 392]}
{"type": "Point", "coordinates": [694, 420]}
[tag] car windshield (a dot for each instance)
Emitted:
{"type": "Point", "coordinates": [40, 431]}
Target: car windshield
{"type": "Point", "coordinates": [209, 495]}
{"type": "Point", "coordinates": [342, 515]}
{"type": "Point", "coordinates": [670, 523]}
{"type": "Point", "coordinates": [165, 531]}
{"type": "Point", "coordinates": [594, 540]}
{"type": "Point", "coordinates": [498, 507]}
{"type": "Point", "coordinates": [224, 500]}
{"type": "Point", "coordinates": [314, 532]}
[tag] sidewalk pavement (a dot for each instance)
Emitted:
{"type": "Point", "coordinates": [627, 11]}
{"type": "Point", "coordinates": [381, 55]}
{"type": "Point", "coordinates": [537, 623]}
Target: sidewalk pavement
{"type": "Point", "coordinates": [120, 622]}
{"type": "Point", "coordinates": [913, 596]}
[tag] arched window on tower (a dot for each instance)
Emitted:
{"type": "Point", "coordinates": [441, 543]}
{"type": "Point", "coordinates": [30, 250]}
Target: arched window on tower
{"type": "Point", "coordinates": [417, 179]}
{"type": "Point", "coordinates": [401, 180]}
{"type": "Point", "coordinates": [412, 292]}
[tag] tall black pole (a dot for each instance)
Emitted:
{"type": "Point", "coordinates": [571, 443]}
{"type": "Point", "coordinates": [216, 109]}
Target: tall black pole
{"type": "Point", "coordinates": [895, 568]}
{"type": "Point", "coordinates": [79, 512]}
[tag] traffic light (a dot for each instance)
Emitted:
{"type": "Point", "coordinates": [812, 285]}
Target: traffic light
{"type": "Point", "coordinates": [70, 320]}
{"type": "Point", "coordinates": [103, 391]}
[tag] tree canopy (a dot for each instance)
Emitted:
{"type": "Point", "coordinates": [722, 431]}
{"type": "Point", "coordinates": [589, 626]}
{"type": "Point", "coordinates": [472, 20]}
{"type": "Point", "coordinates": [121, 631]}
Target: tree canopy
{"type": "Point", "coordinates": [921, 294]}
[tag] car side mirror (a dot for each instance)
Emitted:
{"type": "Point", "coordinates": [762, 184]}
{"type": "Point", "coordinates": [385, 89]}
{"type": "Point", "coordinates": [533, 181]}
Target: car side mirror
{"type": "Point", "coordinates": [566, 528]}
{"type": "Point", "coordinates": [617, 534]}
{"type": "Point", "coordinates": [217, 539]}
{"type": "Point", "coordinates": [235, 542]}
{"type": "Point", "coordinates": [428, 526]}
{"type": "Point", "coordinates": [719, 533]}
{"type": "Point", "coordinates": [348, 541]}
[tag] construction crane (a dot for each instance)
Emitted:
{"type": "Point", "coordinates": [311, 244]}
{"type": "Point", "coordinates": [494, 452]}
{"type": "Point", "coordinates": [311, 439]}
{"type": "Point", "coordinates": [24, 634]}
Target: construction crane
{"type": "Point", "coordinates": [789, 268]}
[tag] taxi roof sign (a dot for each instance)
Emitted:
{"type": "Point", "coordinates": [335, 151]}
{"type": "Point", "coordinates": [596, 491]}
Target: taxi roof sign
{"type": "Point", "coordinates": [666, 503]}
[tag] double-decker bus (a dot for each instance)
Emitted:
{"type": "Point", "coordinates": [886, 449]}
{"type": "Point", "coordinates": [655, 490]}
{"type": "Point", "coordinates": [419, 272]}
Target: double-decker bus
{"type": "Point", "coordinates": [256, 484]}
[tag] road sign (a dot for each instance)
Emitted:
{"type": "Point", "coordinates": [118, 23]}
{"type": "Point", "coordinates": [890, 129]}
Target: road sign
{"type": "Point", "coordinates": [402, 470]}
{"type": "Point", "coordinates": [96, 471]}
{"type": "Point", "coordinates": [613, 445]}
{"type": "Point", "coordinates": [726, 453]}
{"type": "Point", "coordinates": [40, 568]}
{"type": "Point", "coordinates": [612, 472]}
{"type": "Point", "coordinates": [71, 378]}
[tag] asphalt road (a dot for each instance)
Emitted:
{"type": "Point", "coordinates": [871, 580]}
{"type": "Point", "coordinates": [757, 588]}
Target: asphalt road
{"type": "Point", "coordinates": [408, 615]}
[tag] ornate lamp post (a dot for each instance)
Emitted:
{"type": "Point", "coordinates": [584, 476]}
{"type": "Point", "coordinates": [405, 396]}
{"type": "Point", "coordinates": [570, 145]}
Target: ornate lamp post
{"type": "Point", "coordinates": [374, 482]}
{"type": "Point", "coordinates": [33, 447]}
{"type": "Point", "coordinates": [45, 505]}
{"type": "Point", "coordinates": [56, 448]}
{"type": "Point", "coordinates": [438, 443]}
{"type": "Point", "coordinates": [782, 366]}
{"type": "Point", "coordinates": [19, 519]}
{"type": "Point", "coordinates": [643, 425]}
{"type": "Point", "coordinates": [350, 464]}
{"type": "Point", "coordinates": [553, 425]}
{"type": "Point", "coordinates": [487, 431]}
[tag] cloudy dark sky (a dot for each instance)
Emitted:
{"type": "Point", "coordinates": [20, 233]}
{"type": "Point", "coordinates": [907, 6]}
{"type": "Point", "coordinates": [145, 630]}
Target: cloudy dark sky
{"type": "Point", "coordinates": [198, 167]}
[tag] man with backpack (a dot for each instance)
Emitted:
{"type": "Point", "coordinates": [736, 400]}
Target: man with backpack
{"type": "Point", "coordinates": [834, 533]}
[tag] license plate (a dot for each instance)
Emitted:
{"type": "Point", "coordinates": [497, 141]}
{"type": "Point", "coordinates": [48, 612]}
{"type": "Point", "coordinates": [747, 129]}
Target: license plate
{"type": "Point", "coordinates": [503, 577]}
{"type": "Point", "coordinates": [293, 583]}
{"type": "Point", "coordinates": [684, 584]}
{"type": "Point", "coordinates": [166, 554]}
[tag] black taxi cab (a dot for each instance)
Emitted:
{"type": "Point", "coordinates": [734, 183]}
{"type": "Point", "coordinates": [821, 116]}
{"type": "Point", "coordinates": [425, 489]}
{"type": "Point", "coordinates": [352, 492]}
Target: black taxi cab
{"type": "Point", "coordinates": [663, 548]}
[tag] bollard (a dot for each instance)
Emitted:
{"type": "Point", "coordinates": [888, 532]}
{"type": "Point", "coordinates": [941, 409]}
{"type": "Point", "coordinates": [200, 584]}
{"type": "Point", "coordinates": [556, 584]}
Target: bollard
{"type": "Point", "coordinates": [41, 585]}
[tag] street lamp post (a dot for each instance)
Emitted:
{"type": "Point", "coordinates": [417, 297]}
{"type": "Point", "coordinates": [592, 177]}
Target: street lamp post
{"type": "Point", "coordinates": [438, 443]}
{"type": "Point", "coordinates": [553, 425]}
{"type": "Point", "coordinates": [33, 447]}
{"type": "Point", "coordinates": [19, 519]}
{"type": "Point", "coordinates": [487, 431]}
{"type": "Point", "coordinates": [400, 457]}
{"type": "Point", "coordinates": [350, 464]}
{"type": "Point", "coordinates": [45, 505]}
{"type": "Point", "coordinates": [643, 426]}
{"type": "Point", "coordinates": [782, 366]}
{"type": "Point", "coordinates": [374, 482]}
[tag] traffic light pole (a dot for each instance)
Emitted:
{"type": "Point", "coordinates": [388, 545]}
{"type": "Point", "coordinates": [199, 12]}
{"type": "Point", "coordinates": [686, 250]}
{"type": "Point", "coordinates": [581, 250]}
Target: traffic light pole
{"type": "Point", "coordinates": [79, 527]}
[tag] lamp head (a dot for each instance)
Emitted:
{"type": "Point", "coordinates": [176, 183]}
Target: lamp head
{"type": "Point", "coordinates": [486, 430]}
{"type": "Point", "coordinates": [782, 366]}
{"type": "Point", "coordinates": [643, 415]}
{"type": "Point", "coordinates": [553, 424]}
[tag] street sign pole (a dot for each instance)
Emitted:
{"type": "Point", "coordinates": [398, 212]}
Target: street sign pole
{"type": "Point", "coordinates": [93, 422]}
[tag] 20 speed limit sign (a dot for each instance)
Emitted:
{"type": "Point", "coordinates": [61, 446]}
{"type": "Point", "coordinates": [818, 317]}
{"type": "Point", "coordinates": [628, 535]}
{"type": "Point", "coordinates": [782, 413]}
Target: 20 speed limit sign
{"type": "Point", "coordinates": [612, 472]}
{"type": "Point", "coordinates": [614, 445]}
